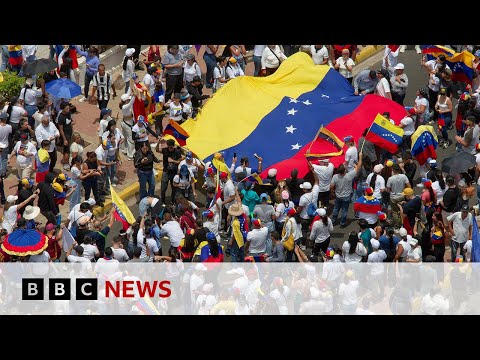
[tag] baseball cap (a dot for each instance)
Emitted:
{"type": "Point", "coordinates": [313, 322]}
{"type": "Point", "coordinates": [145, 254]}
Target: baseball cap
{"type": "Point", "coordinates": [26, 181]}
{"type": "Point", "coordinates": [377, 168]}
{"type": "Point", "coordinates": [189, 155]}
{"type": "Point", "coordinates": [372, 74]}
{"type": "Point", "coordinates": [12, 198]}
{"type": "Point", "coordinates": [321, 212]}
{"type": "Point", "coordinates": [91, 201]}
{"type": "Point", "coordinates": [106, 111]}
{"type": "Point", "coordinates": [189, 57]}
{"type": "Point", "coordinates": [464, 207]}
{"type": "Point", "coordinates": [24, 137]}
{"type": "Point", "coordinates": [232, 60]}
{"type": "Point", "coordinates": [211, 236]}
{"type": "Point", "coordinates": [257, 222]}
{"type": "Point", "coordinates": [432, 163]}
{"type": "Point", "coordinates": [407, 191]}
{"type": "Point", "coordinates": [399, 66]}
{"type": "Point", "coordinates": [272, 172]}
{"type": "Point", "coordinates": [125, 97]}
{"type": "Point", "coordinates": [223, 175]}
{"type": "Point", "coordinates": [141, 119]}
{"type": "Point", "coordinates": [381, 216]}
{"type": "Point", "coordinates": [57, 187]}
{"type": "Point", "coordinates": [129, 52]}
{"type": "Point", "coordinates": [3, 115]}
{"type": "Point", "coordinates": [210, 171]}
{"type": "Point", "coordinates": [63, 177]}
{"type": "Point", "coordinates": [291, 212]}
{"type": "Point", "coordinates": [477, 53]}
{"type": "Point", "coordinates": [285, 195]}
{"type": "Point", "coordinates": [264, 196]}
{"type": "Point", "coordinates": [49, 227]}
{"type": "Point", "coordinates": [427, 183]}
{"type": "Point", "coordinates": [402, 232]}
{"type": "Point", "coordinates": [306, 185]}
{"type": "Point", "coordinates": [375, 243]}
{"type": "Point", "coordinates": [208, 214]}
{"type": "Point", "coordinates": [107, 144]}
{"type": "Point", "coordinates": [443, 91]}
{"type": "Point", "coordinates": [369, 191]}
{"type": "Point", "coordinates": [348, 138]}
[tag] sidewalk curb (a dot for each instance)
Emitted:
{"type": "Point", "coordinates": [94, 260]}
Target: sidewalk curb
{"type": "Point", "coordinates": [368, 52]}
{"type": "Point", "coordinates": [125, 195]}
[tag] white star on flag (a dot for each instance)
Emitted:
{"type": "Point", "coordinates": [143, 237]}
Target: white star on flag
{"type": "Point", "coordinates": [290, 129]}
{"type": "Point", "coordinates": [307, 102]}
{"type": "Point", "coordinates": [292, 112]}
{"type": "Point", "coordinates": [296, 146]}
{"type": "Point", "coordinates": [293, 100]}
{"type": "Point", "coordinates": [328, 97]}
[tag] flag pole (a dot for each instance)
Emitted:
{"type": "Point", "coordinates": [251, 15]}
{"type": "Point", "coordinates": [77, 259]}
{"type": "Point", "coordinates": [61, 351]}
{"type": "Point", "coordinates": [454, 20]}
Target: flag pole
{"type": "Point", "coordinates": [314, 139]}
{"type": "Point", "coordinates": [365, 138]}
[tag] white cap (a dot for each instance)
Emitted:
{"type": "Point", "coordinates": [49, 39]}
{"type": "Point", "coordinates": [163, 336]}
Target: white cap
{"type": "Point", "coordinates": [375, 243]}
{"type": "Point", "coordinates": [402, 232]}
{"type": "Point", "coordinates": [91, 201]}
{"type": "Point", "coordinates": [200, 267]}
{"type": "Point", "coordinates": [272, 172]}
{"type": "Point", "coordinates": [129, 52]}
{"type": "Point", "coordinates": [12, 198]}
{"type": "Point", "coordinates": [399, 66]}
{"type": "Point", "coordinates": [321, 212]}
{"type": "Point", "coordinates": [29, 81]}
{"type": "Point", "coordinates": [306, 185]}
{"type": "Point", "coordinates": [324, 160]}
{"type": "Point", "coordinates": [377, 168]}
{"type": "Point", "coordinates": [125, 97]}
{"type": "Point", "coordinates": [207, 287]}
{"type": "Point", "coordinates": [237, 271]}
{"type": "Point", "coordinates": [3, 146]}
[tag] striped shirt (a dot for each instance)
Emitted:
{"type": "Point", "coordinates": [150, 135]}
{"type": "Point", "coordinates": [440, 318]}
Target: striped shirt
{"type": "Point", "coordinates": [103, 85]}
{"type": "Point", "coordinates": [15, 53]}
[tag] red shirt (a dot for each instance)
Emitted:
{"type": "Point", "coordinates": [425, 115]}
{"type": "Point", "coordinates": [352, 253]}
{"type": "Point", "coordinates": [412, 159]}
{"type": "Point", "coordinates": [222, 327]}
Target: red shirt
{"type": "Point", "coordinates": [53, 247]}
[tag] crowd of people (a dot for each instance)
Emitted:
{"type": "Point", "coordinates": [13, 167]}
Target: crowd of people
{"type": "Point", "coordinates": [273, 222]}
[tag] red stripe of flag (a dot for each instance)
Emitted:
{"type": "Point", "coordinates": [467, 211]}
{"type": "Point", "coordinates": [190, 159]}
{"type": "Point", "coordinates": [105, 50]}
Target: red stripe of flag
{"type": "Point", "coordinates": [366, 207]}
{"type": "Point", "coordinates": [118, 217]}
{"type": "Point", "coordinates": [381, 142]}
{"type": "Point", "coordinates": [393, 48]}
{"type": "Point", "coordinates": [428, 152]}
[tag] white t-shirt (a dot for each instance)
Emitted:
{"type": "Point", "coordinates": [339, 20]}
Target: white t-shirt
{"type": "Point", "coordinates": [408, 125]}
{"type": "Point", "coordinates": [10, 218]}
{"type": "Point", "coordinates": [89, 251]}
{"type": "Point", "coordinates": [325, 174]}
{"type": "Point", "coordinates": [175, 111]}
{"type": "Point", "coordinates": [228, 190]}
{"type": "Point", "coordinates": [140, 131]}
{"type": "Point", "coordinates": [258, 50]}
{"type": "Point", "coordinates": [5, 131]}
{"type": "Point", "coordinates": [218, 72]}
{"type": "Point", "coordinates": [149, 82]}
{"type": "Point", "coordinates": [17, 113]}
{"type": "Point", "coordinates": [193, 169]}
{"type": "Point", "coordinates": [258, 240]}
{"type": "Point", "coordinates": [376, 259]}
{"type": "Point", "coordinates": [101, 153]}
{"type": "Point", "coordinates": [280, 213]}
{"type": "Point", "coordinates": [351, 158]}
{"type": "Point", "coordinates": [383, 87]}
{"type": "Point", "coordinates": [348, 292]}
{"type": "Point", "coordinates": [151, 243]}
{"type": "Point", "coordinates": [422, 101]}
{"type": "Point", "coordinates": [42, 257]}
{"type": "Point", "coordinates": [102, 127]}
{"type": "Point", "coordinates": [306, 199]}
{"type": "Point", "coordinates": [174, 232]}
{"type": "Point", "coordinates": [379, 185]}
{"type": "Point", "coordinates": [468, 250]}
{"type": "Point", "coordinates": [22, 150]}
{"type": "Point", "coordinates": [45, 133]}
{"type": "Point", "coordinates": [343, 69]}
{"type": "Point", "coordinates": [184, 183]}
{"type": "Point", "coordinates": [190, 71]}
{"type": "Point", "coordinates": [76, 214]}
{"type": "Point", "coordinates": [120, 255]}
{"type": "Point", "coordinates": [319, 55]}
{"type": "Point", "coordinates": [77, 259]}
{"type": "Point", "coordinates": [76, 148]}
{"type": "Point", "coordinates": [118, 137]}
{"type": "Point", "coordinates": [371, 218]}
{"type": "Point", "coordinates": [234, 71]}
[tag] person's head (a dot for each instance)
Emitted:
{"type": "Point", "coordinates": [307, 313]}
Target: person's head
{"type": "Point", "coordinates": [91, 156]}
{"type": "Point", "coordinates": [189, 157]}
{"type": "Point", "coordinates": [470, 121]}
{"type": "Point", "coordinates": [345, 53]}
{"type": "Point", "coordinates": [441, 59]}
{"type": "Point", "coordinates": [437, 217]}
{"type": "Point", "coordinates": [294, 173]}
{"type": "Point", "coordinates": [306, 187]}
{"type": "Point", "coordinates": [373, 75]}
{"type": "Point", "coordinates": [23, 124]}
{"type": "Point", "coordinates": [264, 198]}
{"type": "Point", "coordinates": [222, 61]}
{"type": "Point", "coordinates": [349, 140]}
{"type": "Point", "coordinates": [403, 233]}
{"type": "Point", "coordinates": [24, 138]}
{"type": "Point", "coordinates": [275, 235]}
{"type": "Point", "coordinates": [105, 113]}
{"type": "Point", "coordinates": [386, 115]}
{"type": "Point", "coordinates": [396, 168]}
{"type": "Point", "coordinates": [145, 147]}
{"type": "Point", "coordinates": [173, 49]}
{"type": "Point", "coordinates": [464, 211]}
{"type": "Point", "coordinates": [108, 252]}
{"type": "Point", "coordinates": [170, 144]}
{"type": "Point", "coordinates": [190, 58]}
{"type": "Point", "coordinates": [244, 161]}
{"type": "Point", "coordinates": [291, 212]}
{"type": "Point", "coordinates": [450, 180]}
{"type": "Point", "coordinates": [112, 124]}
{"type": "Point", "coordinates": [50, 228]}
{"type": "Point", "coordinates": [353, 241]}
{"type": "Point", "coordinates": [363, 224]}
{"type": "Point", "coordinates": [196, 81]}
{"type": "Point", "coordinates": [168, 216]}
{"type": "Point", "coordinates": [137, 251]}
{"type": "Point", "coordinates": [399, 69]}
{"type": "Point", "coordinates": [84, 207]}
{"type": "Point", "coordinates": [422, 92]}
{"type": "Point", "coordinates": [341, 169]}
{"type": "Point", "coordinates": [382, 73]}
{"type": "Point", "coordinates": [3, 117]}
{"type": "Point", "coordinates": [65, 107]}
{"type": "Point", "coordinates": [223, 176]}
{"type": "Point", "coordinates": [45, 120]}
{"type": "Point", "coordinates": [92, 51]}
{"type": "Point", "coordinates": [79, 250]}
{"type": "Point", "coordinates": [408, 193]}
{"type": "Point", "coordinates": [21, 223]}
{"type": "Point", "coordinates": [101, 69]}
{"type": "Point", "coordinates": [443, 93]}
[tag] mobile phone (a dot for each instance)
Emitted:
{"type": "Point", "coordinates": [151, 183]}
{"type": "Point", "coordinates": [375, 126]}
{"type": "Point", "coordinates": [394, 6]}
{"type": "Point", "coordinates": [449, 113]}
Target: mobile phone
{"type": "Point", "coordinates": [234, 154]}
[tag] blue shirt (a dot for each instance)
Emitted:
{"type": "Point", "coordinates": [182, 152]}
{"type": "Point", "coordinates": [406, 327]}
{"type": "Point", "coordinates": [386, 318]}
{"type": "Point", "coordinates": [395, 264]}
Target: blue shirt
{"type": "Point", "coordinates": [92, 61]}
{"type": "Point", "coordinates": [99, 237]}
{"type": "Point", "coordinates": [385, 244]}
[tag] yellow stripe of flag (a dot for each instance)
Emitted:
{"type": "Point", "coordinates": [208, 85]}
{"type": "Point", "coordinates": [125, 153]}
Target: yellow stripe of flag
{"type": "Point", "coordinates": [383, 122]}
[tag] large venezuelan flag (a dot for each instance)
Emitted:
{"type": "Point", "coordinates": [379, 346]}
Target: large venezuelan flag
{"type": "Point", "coordinates": [460, 63]}
{"type": "Point", "coordinates": [278, 116]}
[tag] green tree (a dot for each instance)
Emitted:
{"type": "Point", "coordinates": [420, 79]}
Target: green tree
{"type": "Point", "coordinates": [11, 84]}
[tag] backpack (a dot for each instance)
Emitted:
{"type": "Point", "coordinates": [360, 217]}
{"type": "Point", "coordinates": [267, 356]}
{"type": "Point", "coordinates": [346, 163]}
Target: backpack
{"type": "Point", "coordinates": [312, 209]}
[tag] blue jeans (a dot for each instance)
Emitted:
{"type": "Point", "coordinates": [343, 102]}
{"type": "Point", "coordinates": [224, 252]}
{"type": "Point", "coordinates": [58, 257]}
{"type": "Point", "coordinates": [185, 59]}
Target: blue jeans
{"type": "Point", "coordinates": [88, 80]}
{"type": "Point", "coordinates": [257, 61]}
{"type": "Point", "coordinates": [448, 121]}
{"type": "Point", "coordinates": [112, 169]}
{"type": "Point", "coordinates": [127, 86]}
{"type": "Point", "coordinates": [210, 62]}
{"type": "Point", "coordinates": [455, 246]}
{"type": "Point", "coordinates": [237, 253]}
{"type": "Point", "coordinates": [144, 178]}
{"type": "Point", "coordinates": [31, 109]}
{"type": "Point", "coordinates": [341, 203]}
{"type": "Point", "coordinates": [77, 194]}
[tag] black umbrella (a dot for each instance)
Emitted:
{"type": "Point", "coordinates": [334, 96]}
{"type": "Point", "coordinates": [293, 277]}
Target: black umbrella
{"type": "Point", "coordinates": [40, 66]}
{"type": "Point", "coordinates": [458, 163]}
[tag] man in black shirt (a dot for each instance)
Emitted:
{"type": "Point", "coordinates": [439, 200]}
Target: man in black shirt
{"type": "Point", "coordinates": [46, 202]}
{"type": "Point", "coordinates": [64, 123]}
{"type": "Point", "coordinates": [171, 158]}
{"type": "Point", "coordinates": [293, 184]}
{"type": "Point", "coordinates": [23, 128]}
{"type": "Point", "coordinates": [451, 197]}
{"type": "Point", "coordinates": [25, 191]}
{"type": "Point", "coordinates": [411, 207]}
{"type": "Point", "coordinates": [195, 89]}
{"type": "Point", "coordinates": [143, 162]}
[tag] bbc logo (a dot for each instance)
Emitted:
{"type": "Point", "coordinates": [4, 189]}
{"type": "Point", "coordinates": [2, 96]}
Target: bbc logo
{"type": "Point", "coordinates": [59, 289]}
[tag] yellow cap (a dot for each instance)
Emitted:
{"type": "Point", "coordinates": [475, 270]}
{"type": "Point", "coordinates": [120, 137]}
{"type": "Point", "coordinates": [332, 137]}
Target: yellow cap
{"type": "Point", "coordinates": [389, 163]}
{"type": "Point", "coordinates": [57, 187]}
{"type": "Point", "coordinates": [62, 177]}
{"type": "Point", "coordinates": [232, 60]}
{"type": "Point", "coordinates": [25, 181]}
{"type": "Point", "coordinates": [43, 155]}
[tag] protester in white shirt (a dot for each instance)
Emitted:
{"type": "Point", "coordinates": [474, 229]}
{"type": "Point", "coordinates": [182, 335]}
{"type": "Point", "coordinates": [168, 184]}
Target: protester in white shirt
{"type": "Point", "coordinates": [219, 73]}
{"type": "Point", "coordinates": [348, 293]}
{"type": "Point", "coordinates": [383, 86]}
{"type": "Point", "coordinates": [320, 233]}
{"type": "Point", "coordinates": [233, 70]}
{"type": "Point", "coordinates": [47, 131]}
{"type": "Point", "coordinates": [257, 239]}
{"type": "Point", "coordinates": [353, 249]}
{"type": "Point", "coordinates": [376, 181]}
{"type": "Point", "coordinates": [272, 56]}
{"type": "Point", "coordinates": [319, 54]}
{"type": "Point", "coordinates": [344, 65]}
{"type": "Point", "coordinates": [324, 172]}
{"type": "Point", "coordinates": [172, 230]}
{"type": "Point", "coordinates": [351, 155]}
{"type": "Point", "coordinates": [25, 153]}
